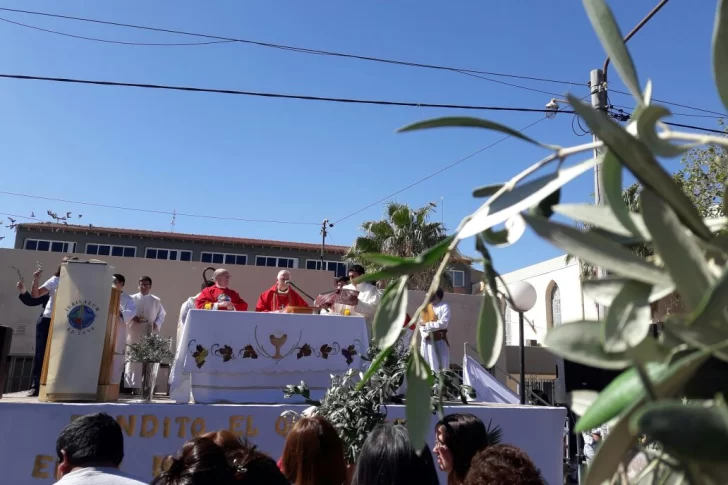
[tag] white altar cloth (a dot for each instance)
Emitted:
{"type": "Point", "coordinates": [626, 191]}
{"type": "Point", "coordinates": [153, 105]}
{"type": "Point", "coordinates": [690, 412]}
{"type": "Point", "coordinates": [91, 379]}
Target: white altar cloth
{"type": "Point", "coordinates": [239, 357]}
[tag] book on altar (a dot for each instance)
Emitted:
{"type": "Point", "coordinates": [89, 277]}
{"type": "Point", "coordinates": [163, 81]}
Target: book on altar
{"type": "Point", "coordinates": [342, 296]}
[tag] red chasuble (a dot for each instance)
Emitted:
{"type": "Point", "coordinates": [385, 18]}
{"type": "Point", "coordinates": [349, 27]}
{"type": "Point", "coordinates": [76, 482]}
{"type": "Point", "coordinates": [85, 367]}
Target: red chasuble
{"type": "Point", "coordinates": [215, 294]}
{"type": "Point", "coordinates": [272, 301]}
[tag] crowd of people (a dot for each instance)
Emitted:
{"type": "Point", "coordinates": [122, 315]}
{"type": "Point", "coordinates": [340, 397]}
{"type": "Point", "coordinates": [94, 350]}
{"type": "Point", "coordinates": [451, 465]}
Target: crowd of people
{"type": "Point", "coordinates": [91, 449]}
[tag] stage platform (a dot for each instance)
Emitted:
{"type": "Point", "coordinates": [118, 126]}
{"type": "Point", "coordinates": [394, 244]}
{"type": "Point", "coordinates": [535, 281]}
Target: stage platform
{"type": "Point", "coordinates": [155, 430]}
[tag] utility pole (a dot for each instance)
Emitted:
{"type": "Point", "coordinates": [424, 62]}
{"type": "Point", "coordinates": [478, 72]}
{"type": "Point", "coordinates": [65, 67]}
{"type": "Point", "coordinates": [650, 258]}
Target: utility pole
{"type": "Point", "coordinates": [324, 233]}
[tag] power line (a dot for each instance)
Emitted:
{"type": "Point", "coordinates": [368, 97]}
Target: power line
{"type": "Point", "coordinates": [278, 95]}
{"type": "Point", "coordinates": [447, 167]}
{"type": "Point", "coordinates": [293, 48]}
{"type": "Point", "coordinates": [153, 211]}
{"type": "Point", "coordinates": [106, 41]}
{"type": "Point", "coordinates": [700, 128]}
{"type": "Point", "coordinates": [723, 115]}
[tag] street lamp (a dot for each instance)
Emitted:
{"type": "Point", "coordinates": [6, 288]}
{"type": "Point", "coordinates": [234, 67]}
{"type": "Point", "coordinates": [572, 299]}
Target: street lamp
{"type": "Point", "coordinates": [523, 298]}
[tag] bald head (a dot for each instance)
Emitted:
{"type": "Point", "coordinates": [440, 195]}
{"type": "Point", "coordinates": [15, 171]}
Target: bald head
{"type": "Point", "coordinates": [284, 276]}
{"type": "Point", "coordinates": [221, 277]}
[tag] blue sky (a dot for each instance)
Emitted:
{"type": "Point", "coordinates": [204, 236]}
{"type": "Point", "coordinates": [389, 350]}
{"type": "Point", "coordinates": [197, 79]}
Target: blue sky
{"type": "Point", "coordinates": [234, 156]}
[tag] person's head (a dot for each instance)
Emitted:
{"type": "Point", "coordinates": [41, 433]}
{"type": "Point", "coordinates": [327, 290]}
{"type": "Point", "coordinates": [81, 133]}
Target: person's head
{"type": "Point", "coordinates": [341, 281]}
{"type": "Point", "coordinates": [221, 277]}
{"type": "Point", "coordinates": [65, 259]}
{"type": "Point", "coordinates": [282, 280]}
{"type": "Point", "coordinates": [91, 440]}
{"type": "Point", "coordinates": [200, 462]}
{"type": "Point", "coordinates": [314, 454]}
{"type": "Point", "coordinates": [225, 440]}
{"type": "Point", "coordinates": [457, 438]}
{"type": "Point", "coordinates": [119, 281]}
{"type": "Point", "coordinates": [388, 457]}
{"type": "Point", "coordinates": [438, 296]}
{"type": "Point", "coordinates": [356, 271]}
{"type": "Point", "coordinates": [145, 285]}
{"type": "Point", "coordinates": [503, 465]}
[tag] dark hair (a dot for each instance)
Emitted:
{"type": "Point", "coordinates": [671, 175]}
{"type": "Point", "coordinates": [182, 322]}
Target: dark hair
{"type": "Point", "coordinates": [342, 279]}
{"type": "Point", "coordinates": [314, 454]}
{"type": "Point", "coordinates": [463, 435]}
{"type": "Point", "coordinates": [120, 278]}
{"type": "Point", "coordinates": [93, 439]}
{"type": "Point", "coordinates": [439, 293]}
{"type": "Point", "coordinates": [220, 458]}
{"type": "Point", "coordinates": [357, 268]}
{"type": "Point", "coordinates": [503, 465]}
{"type": "Point", "coordinates": [387, 457]}
{"type": "Point", "coordinates": [147, 279]}
{"type": "Point", "coordinates": [207, 284]}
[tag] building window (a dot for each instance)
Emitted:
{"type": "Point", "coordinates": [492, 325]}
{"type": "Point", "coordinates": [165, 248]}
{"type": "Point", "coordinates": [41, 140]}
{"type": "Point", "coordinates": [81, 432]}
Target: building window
{"type": "Point", "coordinates": [275, 262]}
{"type": "Point", "coordinates": [224, 258]}
{"type": "Point", "coordinates": [555, 306]}
{"type": "Point", "coordinates": [52, 246]}
{"type": "Point", "coordinates": [111, 250]}
{"type": "Point", "coordinates": [457, 278]}
{"type": "Point", "coordinates": [337, 267]}
{"type": "Point", "coordinates": [168, 254]}
{"type": "Point", "coordinates": [19, 374]}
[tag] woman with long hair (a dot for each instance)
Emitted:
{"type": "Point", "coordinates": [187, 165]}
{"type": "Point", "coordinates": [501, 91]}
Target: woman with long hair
{"type": "Point", "coordinates": [388, 457]}
{"type": "Point", "coordinates": [458, 437]}
{"type": "Point", "coordinates": [313, 454]}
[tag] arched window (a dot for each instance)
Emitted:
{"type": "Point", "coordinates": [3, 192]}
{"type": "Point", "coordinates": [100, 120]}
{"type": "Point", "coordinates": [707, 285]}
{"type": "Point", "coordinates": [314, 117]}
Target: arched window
{"type": "Point", "coordinates": [555, 305]}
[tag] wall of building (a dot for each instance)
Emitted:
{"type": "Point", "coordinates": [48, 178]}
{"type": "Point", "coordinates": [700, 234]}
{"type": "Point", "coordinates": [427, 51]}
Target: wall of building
{"type": "Point", "coordinates": [141, 243]}
{"type": "Point", "coordinates": [174, 282]}
{"type": "Point", "coordinates": [546, 277]}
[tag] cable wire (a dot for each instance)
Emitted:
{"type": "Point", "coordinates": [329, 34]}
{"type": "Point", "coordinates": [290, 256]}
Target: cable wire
{"type": "Point", "coordinates": [292, 48]}
{"type": "Point", "coordinates": [106, 41]}
{"type": "Point", "coordinates": [153, 211]}
{"type": "Point", "coordinates": [723, 115]}
{"type": "Point", "coordinates": [443, 169]}
{"type": "Point", "coordinates": [278, 95]}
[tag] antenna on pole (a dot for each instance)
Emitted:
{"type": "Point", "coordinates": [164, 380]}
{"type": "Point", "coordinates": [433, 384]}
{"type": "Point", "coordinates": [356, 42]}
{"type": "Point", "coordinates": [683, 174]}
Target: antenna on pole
{"type": "Point", "coordinates": [173, 222]}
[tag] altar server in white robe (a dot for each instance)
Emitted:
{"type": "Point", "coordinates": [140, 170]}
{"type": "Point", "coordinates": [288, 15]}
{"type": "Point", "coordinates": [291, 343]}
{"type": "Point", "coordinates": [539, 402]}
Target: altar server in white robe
{"type": "Point", "coordinates": [127, 310]}
{"type": "Point", "coordinates": [369, 297]}
{"type": "Point", "coordinates": [434, 334]}
{"type": "Point", "coordinates": [149, 318]}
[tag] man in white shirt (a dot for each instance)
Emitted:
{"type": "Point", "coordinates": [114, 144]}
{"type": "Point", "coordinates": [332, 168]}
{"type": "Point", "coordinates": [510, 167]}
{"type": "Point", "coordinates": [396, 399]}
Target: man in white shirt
{"type": "Point", "coordinates": [149, 318]}
{"type": "Point", "coordinates": [127, 311]}
{"type": "Point", "coordinates": [90, 450]}
{"type": "Point", "coordinates": [369, 296]}
{"type": "Point", "coordinates": [126, 302]}
{"type": "Point", "coordinates": [435, 347]}
{"type": "Point", "coordinates": [44, 323]}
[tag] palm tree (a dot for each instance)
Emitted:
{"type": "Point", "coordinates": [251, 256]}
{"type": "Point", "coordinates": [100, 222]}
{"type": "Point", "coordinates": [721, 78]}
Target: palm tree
{"type": "Point", "coordinates": [405, 232]}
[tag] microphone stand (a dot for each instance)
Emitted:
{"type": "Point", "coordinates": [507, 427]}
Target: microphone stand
{"type": "Point", "coordinates": [299, 289]}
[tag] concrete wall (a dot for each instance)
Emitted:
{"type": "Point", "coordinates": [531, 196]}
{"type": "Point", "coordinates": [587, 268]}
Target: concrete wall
{"type": "Point", "coordinates": [174, 282]}
{"type": "Point", "coordinates": [545, 278]}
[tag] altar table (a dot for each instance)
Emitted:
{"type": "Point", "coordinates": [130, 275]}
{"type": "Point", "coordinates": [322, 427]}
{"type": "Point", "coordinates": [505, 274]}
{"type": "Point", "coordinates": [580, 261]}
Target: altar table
{"type": "Point", "coordinates": [248, 357]}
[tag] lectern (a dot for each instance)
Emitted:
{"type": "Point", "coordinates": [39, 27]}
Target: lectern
{"type": "Point", "coordinates": [79, 358]}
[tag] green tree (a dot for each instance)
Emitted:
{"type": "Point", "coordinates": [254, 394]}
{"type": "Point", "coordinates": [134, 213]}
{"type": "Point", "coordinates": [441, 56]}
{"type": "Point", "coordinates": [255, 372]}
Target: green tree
{"type": "Point", "coordinates": [404, 233]}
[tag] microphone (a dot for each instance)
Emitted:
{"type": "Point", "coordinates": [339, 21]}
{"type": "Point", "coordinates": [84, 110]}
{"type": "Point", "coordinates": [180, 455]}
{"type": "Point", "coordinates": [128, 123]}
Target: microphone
{"type": "Point", "coordinates": [299, 289]}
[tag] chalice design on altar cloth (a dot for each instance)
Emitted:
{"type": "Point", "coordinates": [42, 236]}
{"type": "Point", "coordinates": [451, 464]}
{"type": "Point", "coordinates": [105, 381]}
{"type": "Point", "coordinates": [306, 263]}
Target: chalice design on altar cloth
{"type": "Point", "coordinates": [278, 339]}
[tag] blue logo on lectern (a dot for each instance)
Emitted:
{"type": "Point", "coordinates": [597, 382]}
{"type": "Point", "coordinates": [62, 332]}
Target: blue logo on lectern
{"type": "Point", "coordinates": [81, 317]}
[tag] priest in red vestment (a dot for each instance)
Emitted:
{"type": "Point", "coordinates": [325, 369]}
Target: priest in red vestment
{"type": "Point", "coordinates": [219, 296]}
{"type": "Point", "coordinates": [279, 296]}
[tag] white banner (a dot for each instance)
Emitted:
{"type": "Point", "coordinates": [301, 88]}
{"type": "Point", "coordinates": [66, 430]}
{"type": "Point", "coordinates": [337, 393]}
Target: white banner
{"type": "Point", "coordinates": [254, 343]}
{"type": "Point", "coordinates": [80, 317]}
{"type": "Point", "coordinates": [154, 431]}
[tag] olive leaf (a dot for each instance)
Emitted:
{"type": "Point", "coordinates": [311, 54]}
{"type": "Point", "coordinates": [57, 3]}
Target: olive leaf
{"type": "Point", "coordinates": [391, 314]}
{"type": "Point", "coordinates": [612, 181]}
{"type": "Point", "coordinates": [604, 217]}
{"type": "Point", "coordinates": [604, 291]}
{"type": "Point", "coordinates": [696, 430]}
{"type": "Point", "coordinates": [581, 400]}
{"type": "Point", "coordinates": [486, 190]}
{"type": "Point", "coordinates": [581, 342]}
{"type": "Point", "coordinates": [646, 125]}
{"type": "Point", "coordinates": [417, 405]}
{"type": "Point", "coordinates": [627, 321]}
{"type": "Point", "coordinates": [395, 267]}
{"type": "Point", "coordinates": [522, 197]}
{"type": "Point", "coordinates": [720, 51]}
{"type": "Point", "coordinates": [681, 254]}
{"type": "Point", "coordinates": [606, 28]}
{"type": "Point", "coordinates": [489, 332]}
